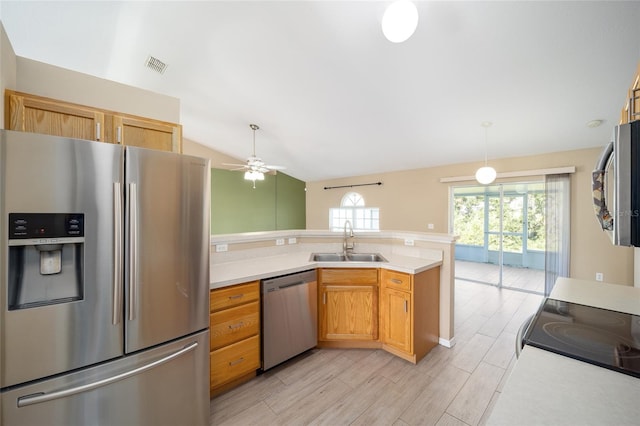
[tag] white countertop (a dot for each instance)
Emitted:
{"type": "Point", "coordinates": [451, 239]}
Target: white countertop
{"type": "Point", "coordinates": [229, 273]}
{"type": "Point", "coordinates": [545, 388]}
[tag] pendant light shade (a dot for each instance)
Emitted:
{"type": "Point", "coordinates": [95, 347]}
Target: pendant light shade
{"type": "Point", "coordinates": [486, 174]}
{"type": "Point", "coordinates": [399, 21]}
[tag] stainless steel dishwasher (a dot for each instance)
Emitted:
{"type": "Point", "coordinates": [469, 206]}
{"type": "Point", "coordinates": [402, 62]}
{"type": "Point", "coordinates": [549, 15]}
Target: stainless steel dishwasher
{"type": "Point", "coordinates": [289, 317]}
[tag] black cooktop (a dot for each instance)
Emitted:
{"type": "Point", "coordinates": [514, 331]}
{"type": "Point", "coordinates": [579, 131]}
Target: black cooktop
{"type": "Point", "coordinates": [598, 336]}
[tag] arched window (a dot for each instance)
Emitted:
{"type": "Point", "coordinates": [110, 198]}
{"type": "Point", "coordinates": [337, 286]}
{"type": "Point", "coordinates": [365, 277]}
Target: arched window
{"type": "Point", "coordinates": [352, 208]}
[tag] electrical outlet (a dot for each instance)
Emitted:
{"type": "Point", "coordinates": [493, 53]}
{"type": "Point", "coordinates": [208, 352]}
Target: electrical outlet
{"type": "Point", "coordinates": [408, 242]}
{"type": "Point", "coordinates": [280, 242]}
{"type": "Point", "coordinates": [292, 240]}
{"type": "Point", "coordinates": [430, 226]}
{"type": "Point", "coordinates": [221, 247]}
{"type": "Point", "coordinates": [599, 276]}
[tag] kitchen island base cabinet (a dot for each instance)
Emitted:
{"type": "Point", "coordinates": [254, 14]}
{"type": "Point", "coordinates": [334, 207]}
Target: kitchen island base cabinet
{"type": "Point", "coordinates": [348, 311]}
{"type": "Point", "coordinates": [409, 312]}
{"type": "Point", "coordinates": [234, 335]}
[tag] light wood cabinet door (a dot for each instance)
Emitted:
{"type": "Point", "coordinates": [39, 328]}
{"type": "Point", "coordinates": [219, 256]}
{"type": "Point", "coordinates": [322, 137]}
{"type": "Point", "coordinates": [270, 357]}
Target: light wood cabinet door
{"type": "Point", "coordinates": [348, 312]}
{"type": "Point", "coordinates": [50, 117]}
{"type": "Point", "coordinates": [396, 318]}
{"type": "Point", "coordinates": [146, 133]}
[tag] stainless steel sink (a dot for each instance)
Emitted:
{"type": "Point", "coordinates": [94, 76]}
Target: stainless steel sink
{"type": "Point", "coordinates": [328, 257]}
{"type": "Point", "coordinates": [350, 257]}
{"type": "Point", "coordinates": [365, 257]}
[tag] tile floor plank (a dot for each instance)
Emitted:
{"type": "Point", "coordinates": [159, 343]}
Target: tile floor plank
{"type": "Point", "coordinates": [450, 386]}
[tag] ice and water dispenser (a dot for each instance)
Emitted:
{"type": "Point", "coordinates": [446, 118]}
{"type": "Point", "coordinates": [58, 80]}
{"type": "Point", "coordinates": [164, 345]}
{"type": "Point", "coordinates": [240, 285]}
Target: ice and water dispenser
{"type": "Point", "coordinates": [46, 256]}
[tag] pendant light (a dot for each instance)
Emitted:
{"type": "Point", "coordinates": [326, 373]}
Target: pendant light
{"type": "Point", "coordinates": [486, 174]}
{"type": "Point", "coordinates": [399, 21]}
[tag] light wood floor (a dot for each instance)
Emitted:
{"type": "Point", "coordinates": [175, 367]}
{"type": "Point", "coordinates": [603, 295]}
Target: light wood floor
{"type": "Point", "coordinates": [526, 279]}
{"type": "Point", "coordinates": [456, 386]}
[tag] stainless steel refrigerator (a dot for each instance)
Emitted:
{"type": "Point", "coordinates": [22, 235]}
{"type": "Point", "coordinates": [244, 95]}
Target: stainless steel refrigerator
{"type": "Point", "coordinates": [104, 301]}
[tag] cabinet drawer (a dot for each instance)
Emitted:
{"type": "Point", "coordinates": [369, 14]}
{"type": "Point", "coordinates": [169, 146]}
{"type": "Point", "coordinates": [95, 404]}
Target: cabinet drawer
{"type": "Point", "coordinates": [395, 280]}
{"type": "Point", "coordinates": [228, 297]}
{"type": "Point", "coordinates": [235, 361]}
{"type": "Point", "coordinates": [348, 275]}
{"type": "Point", "coordinates": [234, 324]}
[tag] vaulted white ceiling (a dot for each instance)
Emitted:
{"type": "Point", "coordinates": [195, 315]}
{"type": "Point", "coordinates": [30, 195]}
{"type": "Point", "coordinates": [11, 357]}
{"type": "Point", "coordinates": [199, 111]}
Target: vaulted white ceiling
{"type": "Point", "coordinates": [333, 97]}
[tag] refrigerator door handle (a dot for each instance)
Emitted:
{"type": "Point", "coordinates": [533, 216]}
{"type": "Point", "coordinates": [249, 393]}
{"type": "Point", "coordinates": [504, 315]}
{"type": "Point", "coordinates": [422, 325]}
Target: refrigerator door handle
{"type": "Point", "coordinates": [117, 252]}
{"type": "Point", "coordinates": [133, 250]}
{"type": "Point", "coordinates": [38, 398]}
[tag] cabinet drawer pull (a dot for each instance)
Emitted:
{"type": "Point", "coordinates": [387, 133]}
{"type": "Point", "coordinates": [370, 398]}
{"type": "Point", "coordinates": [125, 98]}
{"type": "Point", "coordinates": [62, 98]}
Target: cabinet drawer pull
{"type": "Point", "coordinates": [236, 296]}
{"type": "Point", "coordinates": [234, 326]}
{"type": "Point", "coordinates": [396, 281]}
{"type": "Point", "coordinates": [236, 362]}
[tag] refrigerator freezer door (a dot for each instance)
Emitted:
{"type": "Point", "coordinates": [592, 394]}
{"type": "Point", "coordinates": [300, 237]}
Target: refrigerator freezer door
{"type": "Point", "coordinates": [167, 385]}
{"type": "Point", "coordinates": [45, 174]}
{"type": "Point", "coordinates": [167, 254]}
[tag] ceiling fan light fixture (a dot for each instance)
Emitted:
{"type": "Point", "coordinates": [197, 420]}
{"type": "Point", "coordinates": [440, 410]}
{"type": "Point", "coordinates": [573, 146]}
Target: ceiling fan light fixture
{"type": "Point", "coordinates": [399, 21]}
{"type": "Point", "coordinates": [253, 175]}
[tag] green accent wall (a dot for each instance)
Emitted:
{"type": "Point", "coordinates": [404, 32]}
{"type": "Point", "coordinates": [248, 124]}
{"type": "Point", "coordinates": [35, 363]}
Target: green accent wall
{"type": "Point", "coordinates": [277, 202]}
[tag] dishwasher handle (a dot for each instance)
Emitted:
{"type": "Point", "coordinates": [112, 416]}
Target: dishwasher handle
{"type": "Point", "coordinates": [281, 283]}
{"type": "Point", "coordinates": [272, 288]}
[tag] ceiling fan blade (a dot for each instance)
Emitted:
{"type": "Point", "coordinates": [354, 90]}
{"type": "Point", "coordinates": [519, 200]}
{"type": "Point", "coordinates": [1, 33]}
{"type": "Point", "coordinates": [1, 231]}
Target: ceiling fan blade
{"type": "Point", "coordinates": [271, 167]}
{"type": "Point", "coordinates": [234, 164]}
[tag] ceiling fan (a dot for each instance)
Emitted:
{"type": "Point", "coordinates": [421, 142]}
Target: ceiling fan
{"type": "Point", "coordinates": [255, 168]}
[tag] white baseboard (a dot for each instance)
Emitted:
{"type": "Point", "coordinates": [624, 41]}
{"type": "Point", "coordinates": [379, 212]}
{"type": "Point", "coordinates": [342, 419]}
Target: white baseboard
{"type": "Point", "coordinates": [447, 343]}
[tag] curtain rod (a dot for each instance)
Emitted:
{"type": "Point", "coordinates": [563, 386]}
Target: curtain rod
{"type": "Point", "coordinates": [351, 186]}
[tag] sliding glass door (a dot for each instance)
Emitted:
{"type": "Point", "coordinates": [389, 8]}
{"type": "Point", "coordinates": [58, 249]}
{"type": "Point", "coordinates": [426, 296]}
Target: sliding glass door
{"type": "Point", "coordinates": [501, 234]}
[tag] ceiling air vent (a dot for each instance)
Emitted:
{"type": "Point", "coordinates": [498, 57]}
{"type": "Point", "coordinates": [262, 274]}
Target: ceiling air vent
{"type": "Point", "coordinates": [155, 64]}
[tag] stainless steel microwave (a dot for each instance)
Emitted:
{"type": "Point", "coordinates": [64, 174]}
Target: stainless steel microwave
{"type": "Point", "coordinates": [616, 186]}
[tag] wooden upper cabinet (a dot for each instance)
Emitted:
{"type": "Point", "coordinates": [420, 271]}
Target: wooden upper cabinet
{"type": "Point", "coordinates": [145, 133]}
{"type": "Point", "coordinates": [41, 115]}
{"type": "Point", "coordinates": [30, 113]}
{"type": "Point", "coordinates": [631, 110]}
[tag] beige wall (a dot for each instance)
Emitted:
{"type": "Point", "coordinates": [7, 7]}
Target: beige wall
{"type": "Point", "coordinates": [190, 147]}
{"type": "Point", "coordinates": [42, 79]}
{"type": "Point", "coordinates": [8, 68]}
{"type": "Point", "coordinates": [410, 200]}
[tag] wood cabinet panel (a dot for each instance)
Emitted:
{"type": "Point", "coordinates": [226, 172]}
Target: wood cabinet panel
{"type": "Point", "coordinates": [31, 113]}
{"type": "Point", "coordinates": [234, 324]}
{"type": "Point", "coordinates": [352, 276]}
{"type": "Point", "coordinates": [397, 280]}
{"type": "Point", "coordinates": [410, 320]}
{"type": "Point", "coordinates": [146, 133]}
{"type": "Point", "coordinates": [39, 115]}
{"type": "Point", "coordinates": [234, 335]}
{"type": "Point", "coordinates": [234, 361]}
{"type": "Point", "coordinates": [349, 312]}
{"type": "Point", "coordinates": [228, 297]}
{"type": "Point", "coordinates": [631, 109]}
{"type": "Point", "coordinates": [396, 325]}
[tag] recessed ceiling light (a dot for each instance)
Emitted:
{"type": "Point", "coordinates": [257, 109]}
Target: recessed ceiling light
{"type": "Point", "coordinates": [594, 123]}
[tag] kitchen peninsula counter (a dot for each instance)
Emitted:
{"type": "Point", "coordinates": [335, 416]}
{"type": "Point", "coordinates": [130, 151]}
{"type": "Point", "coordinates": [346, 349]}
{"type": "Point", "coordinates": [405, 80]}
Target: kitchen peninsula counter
{"type": "Point", "coordinates": [251, 256]}
{"type": "Point", "coordinates": [545, 388]}
{"type": "Point", "coordinates": [235, 272]}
